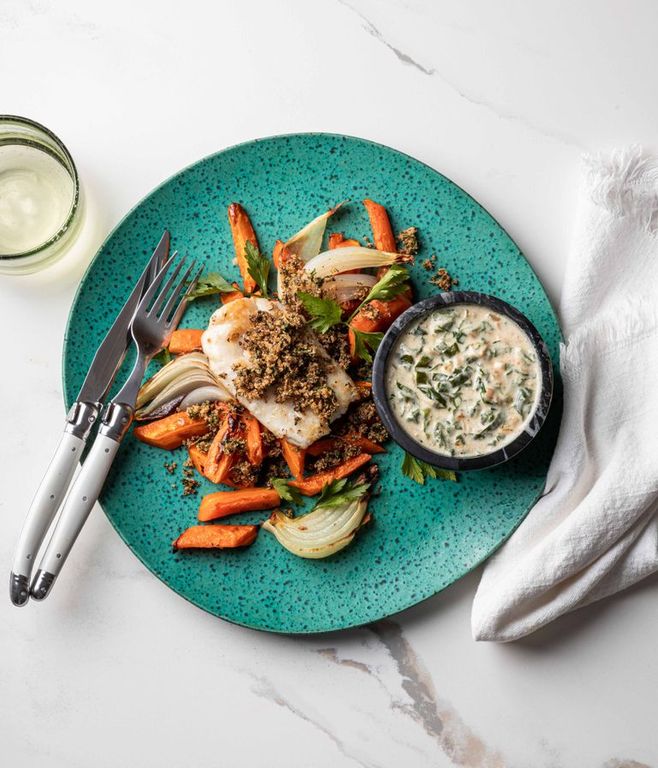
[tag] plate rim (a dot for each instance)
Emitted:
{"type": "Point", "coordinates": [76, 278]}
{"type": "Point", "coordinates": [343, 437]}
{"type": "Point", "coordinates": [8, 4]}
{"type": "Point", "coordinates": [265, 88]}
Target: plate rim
{"type": "Point", "coordinates": [254, 141]}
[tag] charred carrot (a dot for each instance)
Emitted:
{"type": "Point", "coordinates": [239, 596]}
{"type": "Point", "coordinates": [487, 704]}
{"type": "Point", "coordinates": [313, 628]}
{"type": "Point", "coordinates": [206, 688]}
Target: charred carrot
{"type": "Point", "coordinates": [276, 253]}
{"type": "Point", "coordinates": [198, 458]}
{"type": "Point", "coordinates": [310, 486]}
{"type": "Point", "coordinates": [365, 444]}
{"type": "Point", "coordinates": [329, 443]}
{"type": "Point", "coordinates": [380, 224]}
{"type": "Point", "coordinates": [294, 458]}
{"type": "Point", "coordinates": [227, 298]}
{"type": "Point", "coordinates": [224, 503]}
{"type": "Point", "coordinates": [219, 463]}
{"type": "Point", "coordinates": [377, 316]}
{"type": "Point", "coordinates": [243, 233]}
{"type": "Point", "coordinates": [335, 239]}
{"type": "Point", "coordinates": [170, 432]}
{"type": "Point", "coordinates": [280, 254]}
{"type": "Point", "coordinates": [184, 340]}
{"type": "Point", "coordinates": [216, 537]}
{"type": "Point", "coordinates": [338, 240]}
{"type": "Point", "coordinates": [254, 439]}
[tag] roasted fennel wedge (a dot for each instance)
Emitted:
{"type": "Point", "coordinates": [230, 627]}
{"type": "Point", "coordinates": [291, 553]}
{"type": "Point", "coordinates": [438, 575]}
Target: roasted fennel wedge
{"type": "Point", "coordinates": [331, 525]}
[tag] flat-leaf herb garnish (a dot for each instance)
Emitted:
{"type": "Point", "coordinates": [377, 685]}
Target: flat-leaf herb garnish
{"type": "Point", "coordinates": [258, 267]}
{"type": "Point", "coordinates": [163, 357]}
{"type": "Point", "coordinates": [419, 470]}
{"type": "Point", "coordinates": [339, 492]}
{"type": "Point", "coordinates": [392, 284]}
{"type": "Point", "coordinates": [210, 285]}
{"type": "Point", "coordinates": [286, 491]}
{"type": "Point", "coordinates": [366, 343]}
{"type": "Point", "coordinates": [324, 313]}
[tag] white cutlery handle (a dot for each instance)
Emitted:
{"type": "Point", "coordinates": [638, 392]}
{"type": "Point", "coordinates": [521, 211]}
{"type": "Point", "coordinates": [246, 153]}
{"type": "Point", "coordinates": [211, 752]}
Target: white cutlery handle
{"type": "Point", "coordinates": [79, 502]}
{"type": "Point", "coordinates": [42, 512]}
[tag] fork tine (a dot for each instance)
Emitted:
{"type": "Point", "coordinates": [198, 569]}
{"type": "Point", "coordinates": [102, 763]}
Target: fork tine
{"type": "Point", "coordinates": [183, 302]}
{"type": "Point", "coordinates": [162, 295]}
{"type": "Point", "coordinates": [168, 307]}
{"type": "Point", "coordinates": [150, 293]}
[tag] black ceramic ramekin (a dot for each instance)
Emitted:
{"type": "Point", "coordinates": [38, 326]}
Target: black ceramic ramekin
{"type": "Point", "coordinates": [407, 442]}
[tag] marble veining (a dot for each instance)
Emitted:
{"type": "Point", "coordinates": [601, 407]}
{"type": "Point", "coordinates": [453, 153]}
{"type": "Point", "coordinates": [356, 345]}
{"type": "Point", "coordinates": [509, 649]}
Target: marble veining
{"type": "Point", "coordinates": [497, 109]}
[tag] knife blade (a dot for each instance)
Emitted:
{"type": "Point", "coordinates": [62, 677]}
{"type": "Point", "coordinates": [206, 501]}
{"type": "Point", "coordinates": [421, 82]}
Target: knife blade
{"type": "Point", "coordinates": [112, 349]}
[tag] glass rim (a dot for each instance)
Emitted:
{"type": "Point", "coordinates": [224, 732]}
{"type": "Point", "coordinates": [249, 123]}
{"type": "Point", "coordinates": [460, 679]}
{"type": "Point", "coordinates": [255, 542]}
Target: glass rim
{"type": "Point", "coordinates": [71, 169]}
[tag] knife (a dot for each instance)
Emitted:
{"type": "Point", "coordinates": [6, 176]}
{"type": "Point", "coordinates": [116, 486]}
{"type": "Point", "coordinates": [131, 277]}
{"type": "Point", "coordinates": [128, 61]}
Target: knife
{"type": "Point", "coordinates": [79, 423]}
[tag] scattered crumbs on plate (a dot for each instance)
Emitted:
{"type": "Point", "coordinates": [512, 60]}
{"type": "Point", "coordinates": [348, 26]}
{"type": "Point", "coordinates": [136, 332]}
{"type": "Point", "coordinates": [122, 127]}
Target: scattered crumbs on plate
{"type": "Point", "coordinates": [190, 485]}
{"type": "Point", "coordinates": [408, 240]}
{"type": "Point", "coordinates": [443, 279]}
{"type": "Point", "coordinates": [170, 466]}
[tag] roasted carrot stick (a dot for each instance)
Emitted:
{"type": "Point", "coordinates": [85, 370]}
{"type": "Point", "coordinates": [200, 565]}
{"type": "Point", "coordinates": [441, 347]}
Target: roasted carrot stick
{"type": "Point", "coordinates": [338, 240]}
{"type": "Point", "coordinates": [254, 439]}
{"type": "Point", "coordinates": [224, 503]}
{"type": "Point", "coordinates": [216, 537]}
{"type": "Point", "coordinates": [198, 458]}
{"type": "Point", "coordinates": [329, 443]}
{"type": "Point", "coordinates": [335, 239]}
{"type": "Point", "coordinates": [365, 444]}
{"type": "Point", "coordinates": [219, 464]}
{"type": "Point", "coordinates": [227, 298]}
{"type": "Point", "coordinates": [184, 340]}
{"type": "Point", "coordinates": [310, 486]}
{"type": "Point", "coordinates": [377, 316]}
{"type": "Point", "coordinates": [323, 446]}
{"type": "Point", "coordinates": [276, 253]}
{"type": "Point", "coordinates": [380, 224]}
{"type": "Point", "coordinates": [170, 432]}
{"type": "Point", "coordinates": [243, 233]}
{"type": "Point", "coordinates": [294, 458]}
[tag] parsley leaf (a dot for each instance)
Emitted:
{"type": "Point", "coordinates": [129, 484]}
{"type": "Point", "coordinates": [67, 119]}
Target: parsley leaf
{"type": "Point", "coordinates": [325, 313]}
{"type": "Point", "coordinates": [210, 284]}
{"type": "Point", "coordinates": [338, 492]}
{"type": "Point", "coordinates": [366, 343]}
{"type": "Point", "coordinates": [286, 491]}
{"type": "Point", "coordinates": [258, 267]}
{"type": "Point", "coordinates": [164, 356]}
{"type": "Point", "coordinates": [419, 470]}
{"type": "Point", "coordinates": [393, 283]}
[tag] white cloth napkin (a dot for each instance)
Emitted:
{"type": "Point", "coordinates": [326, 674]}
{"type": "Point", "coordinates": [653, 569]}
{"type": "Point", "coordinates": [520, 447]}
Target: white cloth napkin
{"type": "Point", "coordinates": [595, 530]}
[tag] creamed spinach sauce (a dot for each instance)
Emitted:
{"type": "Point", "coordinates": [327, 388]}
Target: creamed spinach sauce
{"type": "Point", "coordinates": [463, 381]}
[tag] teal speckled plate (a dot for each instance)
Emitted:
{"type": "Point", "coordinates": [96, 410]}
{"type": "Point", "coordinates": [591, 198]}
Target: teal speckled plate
{"type": "Point", "coordinates": [423, 537]}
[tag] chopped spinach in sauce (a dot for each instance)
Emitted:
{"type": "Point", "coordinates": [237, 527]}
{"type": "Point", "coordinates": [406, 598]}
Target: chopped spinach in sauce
{"type": "Point", "coordinates": [463, 381]}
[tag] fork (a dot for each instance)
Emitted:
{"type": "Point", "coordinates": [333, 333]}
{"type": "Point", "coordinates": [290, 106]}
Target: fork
{"type": "Point", "coordinates": [151, 330]}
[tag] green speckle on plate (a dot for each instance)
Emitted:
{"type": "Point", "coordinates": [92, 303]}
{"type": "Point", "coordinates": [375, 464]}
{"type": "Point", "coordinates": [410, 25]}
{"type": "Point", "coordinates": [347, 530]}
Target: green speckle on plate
{"type": "Point", "coordinates": [423, 537]}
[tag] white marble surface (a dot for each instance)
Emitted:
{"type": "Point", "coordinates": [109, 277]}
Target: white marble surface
{"type": "Point", "coordinates": [115, 670]}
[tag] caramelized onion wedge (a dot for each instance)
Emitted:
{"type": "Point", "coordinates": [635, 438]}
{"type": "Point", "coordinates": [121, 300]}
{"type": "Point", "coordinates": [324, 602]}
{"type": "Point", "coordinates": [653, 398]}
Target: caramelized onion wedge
{"type": "Point", "coordinates": [174, 382]}
{"type": "Point", "coordinates": [329, 263]}
{"type": "Point", "coordinates": [344, 288]}
{"type": "Point", "coordinates": [170, 372]}
{"type": "Point", "coordinates": [307, 242]}
{"type": "Point", "coordinates": [206, 393]}
{"type": "Point", "coordinates": [322, 532]}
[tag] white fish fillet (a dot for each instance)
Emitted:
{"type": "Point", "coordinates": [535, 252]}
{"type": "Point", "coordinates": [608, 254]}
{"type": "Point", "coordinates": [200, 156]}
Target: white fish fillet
{"type": "Point", "coordinates": [221, 345]}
